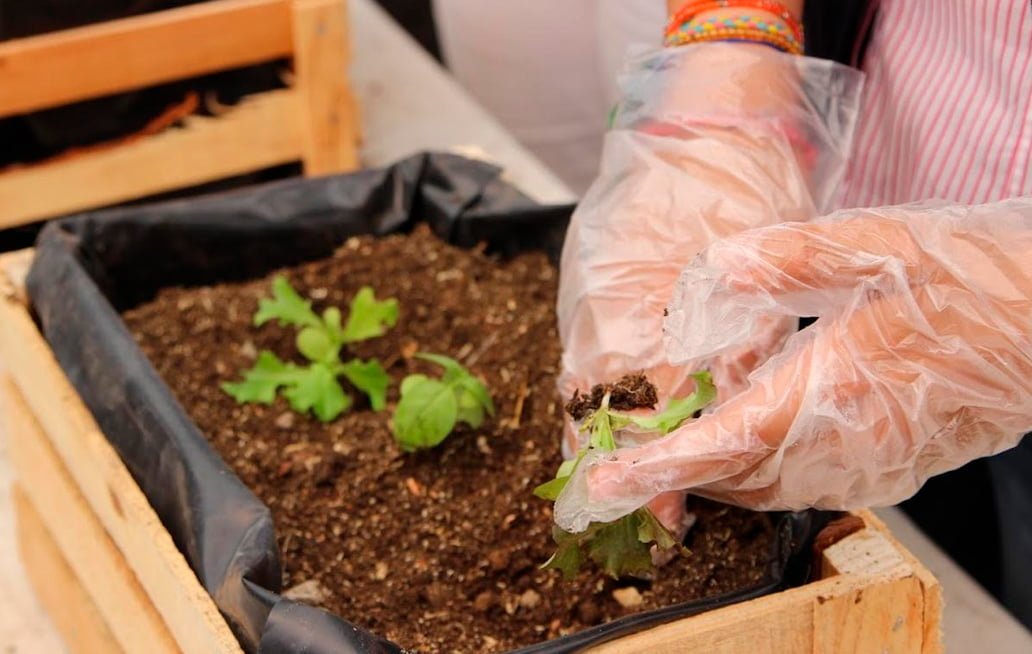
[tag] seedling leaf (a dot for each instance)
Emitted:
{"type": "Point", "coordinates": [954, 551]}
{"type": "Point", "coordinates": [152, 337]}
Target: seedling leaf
{"type": "Point", "coordinates": [316, 345]}
{"type": "Point", "coordinates": [622, 547]}
{"type": "Point", "coordinates": [426, 413]}
{"type": "Point", "coordinates": [369, 317]}
{"type": "Point", "coordinates": [316, 389]}
{"type": "Point", "coordinates": [469, 401]}
{"type": "Point", "coordinates": [679, 409]}
{"type": "Point", "coordinates": [286, 306]}
{"type": "Point", "coordinates": [261, 381]}
{"type": "Point", "coordinates": [370, 378]}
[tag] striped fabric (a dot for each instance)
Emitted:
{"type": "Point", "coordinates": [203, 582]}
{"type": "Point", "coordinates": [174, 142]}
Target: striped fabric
{"type": "Point", "coordinates": [948, 104]}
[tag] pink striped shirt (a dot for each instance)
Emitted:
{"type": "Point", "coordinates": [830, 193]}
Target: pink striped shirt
{"type": "Point", "coordinates": [948, 105]}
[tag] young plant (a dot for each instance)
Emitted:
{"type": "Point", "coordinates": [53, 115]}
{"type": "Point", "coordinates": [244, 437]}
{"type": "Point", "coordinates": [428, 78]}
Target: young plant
{"type": "Point", "coordinates": [314, 387]}
{"type": "Point", "coordinates": [622, 547]}
{"type": "Point", "coordinates": [430, 408]}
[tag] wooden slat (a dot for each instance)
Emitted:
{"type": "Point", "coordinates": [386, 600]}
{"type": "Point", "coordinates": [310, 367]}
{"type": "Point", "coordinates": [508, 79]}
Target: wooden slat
{"type": "Point", "coordinates": [60, 592]}
{"type": "Point", "coordinates": [123, 604]}
{"type": "Point", "coordinates": [933, 601]}
{"type": "Point", "coordinates": [327, 109]}
{"type": "Point", "coordinates": [95, 60]}
{"type": "Point", "coordinates": [103, 480]}
{"type": "Point", "coordinates": [871, 603]}
{"type": "Point", "coordinates": [260, 132]}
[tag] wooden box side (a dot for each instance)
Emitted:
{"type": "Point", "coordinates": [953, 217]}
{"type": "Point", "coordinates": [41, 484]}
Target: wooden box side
{"type": "Point", "coordinates": [57, 585]}
{"type": "Point", "coordinates": [139, 51]}
{"type": "Point", "coordinates": [49, 417]}
{"type": "Point", "coordinates": [315, 121]}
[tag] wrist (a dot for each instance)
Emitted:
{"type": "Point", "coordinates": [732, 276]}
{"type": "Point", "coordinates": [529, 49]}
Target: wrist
{"type": "Point", "coordinates": [767, 22]}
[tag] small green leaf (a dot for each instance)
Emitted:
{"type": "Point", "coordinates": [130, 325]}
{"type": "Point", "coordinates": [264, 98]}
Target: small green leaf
{"type": "Point", "coordinates": [454, 372]}
{"type": "Point", "coordinates": [426, 413]}
{"type": "Point", "coordinates": [261, 381]}
{"type": "Point", "coordinates": [568, 556]}
{"type": "Point", "coordinates": [315, 344]}
{"type": "Point", "coordinates": [369, 317]}
{"type": "Point", "coordinates": [286, 306]}
{"type": "Point", "coordinates": [470, 410]}
{"type": "Point", "coordinates": [476, 388]}
{"type": "Point", "coordinates": [331, 320]}
{"type": "Point", "coordinates": [316, 389]}
{"type": "Point", "coordinates": [370, 378]}
{"type": "Point", "coordinates": [602, 432]}
{"type": "Point", "coordinates": [615, 547]}
{"type": "Point", "coordinates": [550, 489]}
{"type": "Point", "coordinates": [679, 409]}
{"type": "Point", "coordinates": [452, 368]}
{"type": "Point", "coordinates": [651, 530]}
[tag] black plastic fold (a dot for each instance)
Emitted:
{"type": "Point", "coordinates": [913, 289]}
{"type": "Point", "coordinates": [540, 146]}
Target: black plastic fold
{"type": "Point", "coordinates": [88, 267]}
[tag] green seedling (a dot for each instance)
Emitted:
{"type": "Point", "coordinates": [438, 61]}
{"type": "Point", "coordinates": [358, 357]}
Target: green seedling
{"type": "Point", "coordinates": [430, 408]}
{"type": "Point", "coordinates": [320, 339]}
{"type": "Point", "coordinates": [622, 547]}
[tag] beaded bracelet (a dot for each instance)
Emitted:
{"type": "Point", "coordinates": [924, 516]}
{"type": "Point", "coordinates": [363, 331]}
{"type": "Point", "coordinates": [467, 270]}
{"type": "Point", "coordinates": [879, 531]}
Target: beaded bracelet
{"type": "Point", "coordinates": [740, 28]}
{"type": "Point", "coordinates": [690, 10]}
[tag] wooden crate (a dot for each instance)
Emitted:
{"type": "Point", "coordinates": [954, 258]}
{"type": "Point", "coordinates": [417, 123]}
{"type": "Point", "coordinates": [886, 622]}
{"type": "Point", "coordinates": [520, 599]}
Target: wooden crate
{"type": "Point", "coordinates": [314, 121]}
{"type": "Point", "coordinates": [108, 571]}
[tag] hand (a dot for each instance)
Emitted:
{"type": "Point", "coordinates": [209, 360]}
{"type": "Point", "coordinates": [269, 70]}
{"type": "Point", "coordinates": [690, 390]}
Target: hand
{"type": "Point", "coordinates": [921, 360]}
{"type": "Point", "coordinates": [699, 150]}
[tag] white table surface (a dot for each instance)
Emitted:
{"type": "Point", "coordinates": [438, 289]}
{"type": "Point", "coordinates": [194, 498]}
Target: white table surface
{"type": "Point", "coordinates": [410, 104]}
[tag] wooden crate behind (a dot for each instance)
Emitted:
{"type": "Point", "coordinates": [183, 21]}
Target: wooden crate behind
{"type": "Point", "coordinates": [107, 570]}
{"type": "Point", "coordinates": [314, 121]}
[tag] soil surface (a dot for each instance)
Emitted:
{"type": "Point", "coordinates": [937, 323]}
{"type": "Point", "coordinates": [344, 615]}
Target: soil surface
{"type": "Point", "coordinates": [439, 550]}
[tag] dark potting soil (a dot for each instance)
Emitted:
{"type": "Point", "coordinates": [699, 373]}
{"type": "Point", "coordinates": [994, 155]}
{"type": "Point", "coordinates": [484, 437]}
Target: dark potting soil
{"type": "Point", "coordinates": [633, 391]}
{"type": "Point", "coordinates": [439, 550]}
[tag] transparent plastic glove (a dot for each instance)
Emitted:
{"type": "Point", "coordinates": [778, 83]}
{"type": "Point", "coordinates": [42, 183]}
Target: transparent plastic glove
{"type": "Point", "coordinates": [707, 141]}
{"type": "Point", "coordinates": [920, 361]}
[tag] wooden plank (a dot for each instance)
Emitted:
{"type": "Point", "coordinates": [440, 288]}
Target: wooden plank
{"type": "Point", "coordinates": [328, 114]}
{"type": "Point", "coordinates": [60, 592]}
{"type": "Point", "coordinates": [95, 60]}
{"type": "Point", "coordinates": [108, 488]}
{"type": "Point", "coordinates": [878, 618]}
{"type": "Point", "coordinates": [261, 131]}
{"type": "Point", "coordinates": [886, 614]}
{"type": "Point", "coordinates": [122, 603]}
{"type": "Point", "coordinates": [14, 268]}
{"type": "Point", "coordinates": [932, 589]}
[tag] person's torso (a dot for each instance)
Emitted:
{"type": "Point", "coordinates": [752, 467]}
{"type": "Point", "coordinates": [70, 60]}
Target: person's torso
{"type": "Point", "coordinates": [947, 110]}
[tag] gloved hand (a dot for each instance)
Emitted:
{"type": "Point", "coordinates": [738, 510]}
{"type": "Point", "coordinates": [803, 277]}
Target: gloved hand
{"type": "Point", "coordinates": [708, 140]}
{"type": "Point", "coordinates": [920, 361]}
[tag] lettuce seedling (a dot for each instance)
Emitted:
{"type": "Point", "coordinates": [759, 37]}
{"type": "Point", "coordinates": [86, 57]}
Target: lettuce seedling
{"type": "Point", "coordinates": [314, 387]}
{"type": "Point", "coordinates": [622, 547]}
{"type": "Point", "coordinates": [430, 408]}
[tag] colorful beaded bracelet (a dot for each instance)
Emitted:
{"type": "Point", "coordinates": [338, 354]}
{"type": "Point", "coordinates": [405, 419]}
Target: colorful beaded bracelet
{"type": "Point", "coordinates": [686, 13]}
{"type": "Point", "coordinates": [740, 28]}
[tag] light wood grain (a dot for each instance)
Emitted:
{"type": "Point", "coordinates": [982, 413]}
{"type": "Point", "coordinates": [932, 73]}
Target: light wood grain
{"type": "Point", "coordinates": [261, 131]}
{"type": "Point", "coordinates": [84, 544]}
{"type": "Point", "coordinates": [327, 110]}
{"type": "Point", "coordinates": [76, 617]}
{"type": "Point", "coordinates": [108, 488]}
{"type": "Point", "coordinates": [51, 69]}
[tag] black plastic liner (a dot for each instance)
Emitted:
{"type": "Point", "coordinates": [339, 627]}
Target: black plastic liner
{"type": "Point", "coordinates": [88, 267]}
